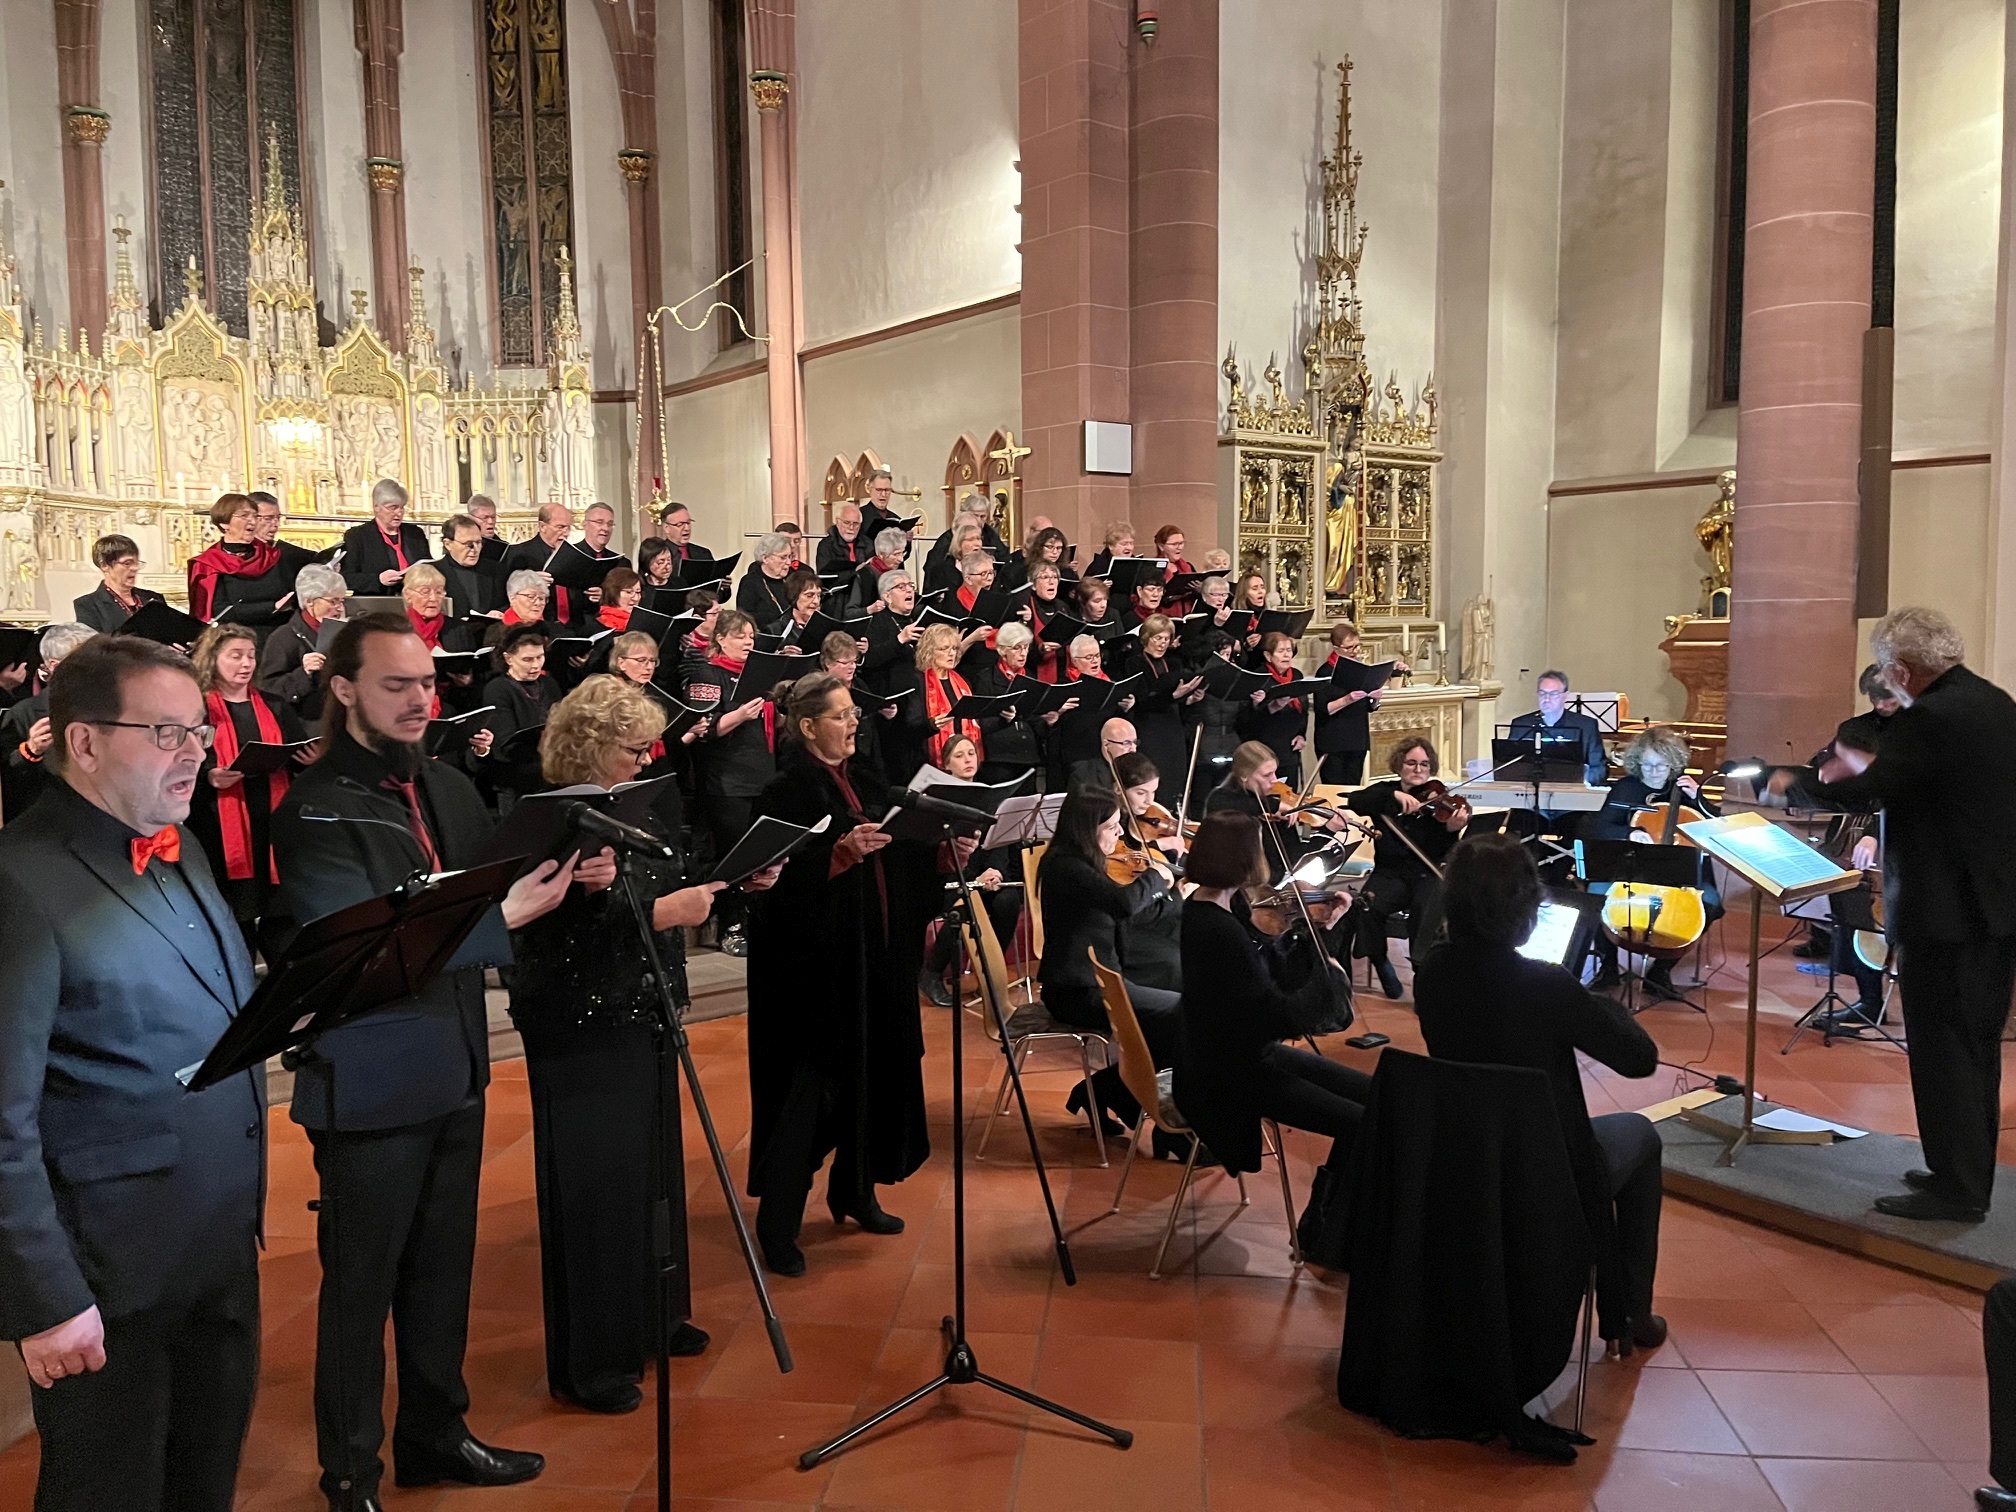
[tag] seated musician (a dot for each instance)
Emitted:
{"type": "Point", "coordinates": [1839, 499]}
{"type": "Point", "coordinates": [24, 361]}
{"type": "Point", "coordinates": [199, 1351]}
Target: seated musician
{"type": "Point", "coordinates": [1483, 1003]}
{"type": "Point", "coordinates": [1550, 691]}
{"type": "Point", "coordinates": [1245, 994]}
{"type": "Point", "coordinates": [1085, 908]}
{"type": "Point", "coordinates": [1117, 738]}
{"type": "Point", "coordinates": [1859, 732]}
{"type": "Point", "coordinates": [1855, 744]}
{"type": "Point", "coordinates": [1412, 843]}
{"type": "Point", "coordinates": [1654, 774]}
{"type": "Point", "coordinates": [1154, 946]}
{"type": "Point", "coordinates": [987, 871]}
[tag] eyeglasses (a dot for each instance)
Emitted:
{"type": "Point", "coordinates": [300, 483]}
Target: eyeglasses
{"type": "Point", "coordinates": [848, 715]}
{"type": "Point", "coordinates": [640, 753]}
{"type": "Point", "coordinates": [168, 737]}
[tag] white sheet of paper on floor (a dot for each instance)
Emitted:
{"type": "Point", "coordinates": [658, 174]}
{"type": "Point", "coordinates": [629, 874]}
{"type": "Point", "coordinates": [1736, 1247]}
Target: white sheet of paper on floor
{"type": "Point", "coordinates": [1793, 1122]}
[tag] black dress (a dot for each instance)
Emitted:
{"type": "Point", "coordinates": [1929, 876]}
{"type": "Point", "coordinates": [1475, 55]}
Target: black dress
{"type": "Point", "coordinates": [589, 1023]}
{"type": "Point", "coordinates": [253, 899]}
{"type": "Point", "coordinates": [518, 706]}
{"type": "Point", "coordinates": [1278, 730]}
{"type": "Point", "coordinates": [836, 1044]}
{"type": "Point", "coordinates": [1158, 723]}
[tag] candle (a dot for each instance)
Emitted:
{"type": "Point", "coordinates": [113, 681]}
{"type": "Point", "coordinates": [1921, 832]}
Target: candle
{"type": "Point", "coordinates": [1406, 642]}
{"type": "Point", "coordinates": [1441, 640]}
{"type": "Point", "coordinates": [181, 493]}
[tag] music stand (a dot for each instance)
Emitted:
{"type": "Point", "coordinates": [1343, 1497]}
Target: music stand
{"type": "Point", "coordinates": [1631, 864]}
{"type": "Point", "coordinates": [1783, 869]}
{"type": "Point", "coordinates": [341, 968]}
{"type": "Point", "coordinates": [1856, 915]}
{"type": "Point", "coordinates": [962, 1366]}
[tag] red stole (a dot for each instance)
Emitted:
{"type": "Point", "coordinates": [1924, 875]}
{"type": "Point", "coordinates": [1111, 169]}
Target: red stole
{"type": "Point", "coordinates": [1285, 677]}
{"type": "Point", "coordinates": [1047, 654]}
{"type": "Point", "coordinates": [734, 669]}
{"type": "Point", "coordinates": [208, 566]}
{"type": "Point", "coordinates": [429, 630]}
{"type": "Point", "coordinates": [967, 599]}
{"type": "Point", "coordinates": [234, 814]}
{"type": "Point", "coordinates": [615, 617]}
{"type": "Point", "coordinates": [937, 704]}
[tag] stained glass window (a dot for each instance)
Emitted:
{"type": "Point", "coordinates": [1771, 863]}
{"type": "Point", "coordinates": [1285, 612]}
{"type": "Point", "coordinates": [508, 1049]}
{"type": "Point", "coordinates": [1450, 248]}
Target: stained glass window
{"type": "Point", "coordinates": [531, 168]}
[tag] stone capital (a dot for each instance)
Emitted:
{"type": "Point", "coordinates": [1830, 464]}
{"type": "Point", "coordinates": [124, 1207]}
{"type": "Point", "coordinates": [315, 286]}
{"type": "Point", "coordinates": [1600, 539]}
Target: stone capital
{"type": "Point", "coordinates": [88, 124]}
{"type": "Point", "coordinates": [385, 174]}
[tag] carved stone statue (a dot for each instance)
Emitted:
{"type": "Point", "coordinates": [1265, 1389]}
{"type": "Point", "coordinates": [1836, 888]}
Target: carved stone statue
{"type": "Point", "coordinates": [1340, 524]}
{"type": "Point", "coordinates": [1716, 531]}
{"type": "Point", "coordinates": [1480, 641]}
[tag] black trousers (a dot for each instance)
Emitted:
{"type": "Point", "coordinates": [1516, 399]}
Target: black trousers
{"type": "Point", "coordinates": [1004, 908]}
{"type": "Point", "coordinates": [1998, 1343]}
{"type": "Point", "coordinates": [1345, 767]}
{"type": "Point", "coordinates": [1633, 1154]}
{"type": "Point", "coordinates": [592, 1149]}
{"type": "Point", "coordinates": [727, 820]}
{"type": "Point", "coordinates": [792, 1157]}
{"type": "Point", "coordinates": [160, 1428]}
{"type": "Point", "coordinates": [1956, 1001]}
{"type": "Point", "coordinates": [397, 1236]}
{"type": "Point", "coordinates": [1159, 1012]}
{"type": "Point", "coordinates": [1309, 1091]}
{"type": "Point", "coordinates": [1388, 892]}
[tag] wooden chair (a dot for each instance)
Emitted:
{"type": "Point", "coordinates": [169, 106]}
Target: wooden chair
{"type": "Point", "coordinates": [1032, 913]}
{"type": "Point", "coordinates": [1029, 1026]}
{"type": "Point", "coordinates": [1151, 1089]}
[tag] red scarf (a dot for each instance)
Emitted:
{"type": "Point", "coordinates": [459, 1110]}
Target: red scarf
{"type": "Point", "coordinates": [938, 703]}
{"type": "Point", "coordinates": [968, 597]}
{"type": "Point", "coordinates": [429, 630]}
{"type": "Point", "coordinates": [511, 618]}
{"type": "Point", "coordinates": [234, 814]}
{"type": "Point", "coordinates": [206, 567]}
{"type": "Point", "coordinates": [396, 544]}
{"type": "Point", "coordinates": [1285, 677]}
{"type": "Point", "coordinates": [734, 669]}
{"type": "Point", "coordinates": [615, 617]}
{"type": "Point", "coordinates": [1048, 653]}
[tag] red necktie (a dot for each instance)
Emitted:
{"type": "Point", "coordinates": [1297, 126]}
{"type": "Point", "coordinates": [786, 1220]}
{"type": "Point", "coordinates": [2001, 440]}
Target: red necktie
{"type": "Point", "coordinates": [415, 820]}
{"type": "Point", "coordinates": [166, 843]}
{"type": "Point", "coordinates": [396, 545]}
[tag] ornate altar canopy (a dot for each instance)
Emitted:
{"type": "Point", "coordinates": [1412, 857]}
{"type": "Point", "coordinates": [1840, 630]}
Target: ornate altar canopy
{"type": "Point", "coordinates": [141, 436]}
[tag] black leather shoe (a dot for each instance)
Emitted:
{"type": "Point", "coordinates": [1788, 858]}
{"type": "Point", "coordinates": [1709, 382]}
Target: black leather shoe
{"type": "Point", "coordinates": [1918, 1181]}
{"type": "Point", "coordinates": [613, 1400]}
{"type": "Point", "coordinates": [1389, 979]}
{"type": "Point", "coordinates": [1930, 1207]}
{"type": "Point", "coordinates": [933, 987]}
{"type": "Point", "coordinates": [1994, 1499]}
{"type": "Point", "coordinates": [467, 1463]}
{"type": "Point", "coordinates": [363, 1501]}
{"type": "Point", "coordinates": [1648, 1332]}
{"type": "Point", "coordinates": [688, 1341]}
{"type": "Point", "coordinates": [783, 1259]}
{"type": "Point", "coordinates": [867, 1212]}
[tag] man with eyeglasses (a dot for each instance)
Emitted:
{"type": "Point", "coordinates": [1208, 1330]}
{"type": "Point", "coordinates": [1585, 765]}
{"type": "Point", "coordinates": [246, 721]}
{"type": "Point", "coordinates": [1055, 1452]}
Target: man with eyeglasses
{"type": "Point", "coordinates": [472, 587]}
{"type": "Point", "coordinates": [129, 1207]}
{"type": "Point", "coordinates": [1117, 737]}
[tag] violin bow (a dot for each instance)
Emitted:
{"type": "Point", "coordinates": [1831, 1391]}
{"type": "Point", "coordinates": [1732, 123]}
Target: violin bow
{"type": "Point", "coordinates": [1189, 777]}
{"type": "Point", "coordinates": [1406, 840]}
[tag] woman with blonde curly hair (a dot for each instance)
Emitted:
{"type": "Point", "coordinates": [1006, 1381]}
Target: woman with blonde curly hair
{"type": "Point", "coordinates": [941, 685]}
{"type": "Point", "coordinates": [589, 1020]}
{"type": "Point", "coordinates": [1655, 774]}
{"type": "Point", "coordinates": [231, 812]}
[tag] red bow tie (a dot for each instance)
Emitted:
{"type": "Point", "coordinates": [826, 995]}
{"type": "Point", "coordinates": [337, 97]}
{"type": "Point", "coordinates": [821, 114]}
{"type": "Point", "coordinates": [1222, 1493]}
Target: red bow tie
{"type": "Point", "coordinates": [167, 844]}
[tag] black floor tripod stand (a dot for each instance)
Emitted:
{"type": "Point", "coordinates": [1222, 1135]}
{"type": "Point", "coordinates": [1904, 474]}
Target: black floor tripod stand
{"type": "Point", "coordinates": [962, 1367]}
{"type": "Point", "coordinates": [669, 1038]}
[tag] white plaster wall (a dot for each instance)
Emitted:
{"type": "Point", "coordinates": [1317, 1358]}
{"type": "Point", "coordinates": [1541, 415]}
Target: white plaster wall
{"type": "Point", "coordinates": [31, 161]}
{"type": "Point", "coordinates": [1939, 548]}
{"type": "Point", "coordinates": [447, 227]}
{"type": "Point", "coordinates": [685, 179]}
{"type": "Point", "coordinates": [1277, 110]}
{"type": "Point", "coordinates": [1688, 305]}
{"type": "Point", "coordinates": [906, 150]}
{"type": "Point", "coordinates": [911, 398]}
{"type": "Point", "coordinates": [333, 95]}
{"type": "Point", "coordinates": [1949, 161]}
{"type": "Point", "coordinates": [720, 443]}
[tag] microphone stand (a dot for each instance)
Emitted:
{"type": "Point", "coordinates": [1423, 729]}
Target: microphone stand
{"type": "Point", "coordinates": [962, 1366]}
{"type": "Point", "coordinates": [669, 1033]}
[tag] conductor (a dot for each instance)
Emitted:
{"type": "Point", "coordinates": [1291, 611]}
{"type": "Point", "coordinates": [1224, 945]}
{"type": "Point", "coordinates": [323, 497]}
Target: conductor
{"type": "Point", "coordinates": [1949, 896]}
{"type": "Point", "coordinates": [129, 1208]}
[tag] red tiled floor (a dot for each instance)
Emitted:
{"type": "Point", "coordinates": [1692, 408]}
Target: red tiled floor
{"type": "Point", "coordinates": [1796, 1377]}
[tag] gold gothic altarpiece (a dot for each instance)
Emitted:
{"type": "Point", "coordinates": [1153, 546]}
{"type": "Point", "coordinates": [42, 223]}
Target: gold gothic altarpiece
{"type": "Point", "coordinates": [142, 435]}
{"type": "Point", "coordinates": [1330, 494]}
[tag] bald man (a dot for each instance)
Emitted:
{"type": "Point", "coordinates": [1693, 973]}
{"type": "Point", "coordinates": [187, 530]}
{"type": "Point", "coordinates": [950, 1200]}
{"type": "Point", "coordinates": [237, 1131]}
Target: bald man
{"type": "Point", "coordinates": [555, 523]}
{"type": "Point", "coordinates": [1116, 738]}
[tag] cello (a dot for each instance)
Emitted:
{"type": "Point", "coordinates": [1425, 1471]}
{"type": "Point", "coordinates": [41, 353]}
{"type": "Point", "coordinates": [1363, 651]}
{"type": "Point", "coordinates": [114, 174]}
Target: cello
{"type": "Point", "coordinates": [1650, 920]}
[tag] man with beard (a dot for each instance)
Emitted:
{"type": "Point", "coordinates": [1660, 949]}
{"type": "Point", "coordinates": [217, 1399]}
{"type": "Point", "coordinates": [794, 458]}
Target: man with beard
{"type": "Point", "coordinates": [393, 1102]}
{"type": "Point", "coordinates": [129, 1208]}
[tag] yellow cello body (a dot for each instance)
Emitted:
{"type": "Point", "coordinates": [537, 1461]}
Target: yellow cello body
{"type": "Point", "coordinates": [1661, 922]}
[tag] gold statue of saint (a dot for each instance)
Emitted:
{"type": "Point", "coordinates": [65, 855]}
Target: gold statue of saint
{"type": "Point", "coordinates": [1340, 526]}
{"type": "Point", "coordinates": [1716, 531]}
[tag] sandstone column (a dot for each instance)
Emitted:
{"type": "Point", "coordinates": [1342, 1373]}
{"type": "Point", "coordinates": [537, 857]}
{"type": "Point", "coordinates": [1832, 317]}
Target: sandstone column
{"type": "Point", "coordinates": [773, 54]}
{"type": "Point", "coordinates": [381, 38]}
{"type": "Point", "coordinates": [1173, 275]}
{"type": "Point", "coordinates": [85, 127]}
{"type": "Point", "coordinates": [1808, 215]}
{"type": "Point", "coordinates": [1076, 308]}
{"type": "Point", "coordinates": [632, 29]}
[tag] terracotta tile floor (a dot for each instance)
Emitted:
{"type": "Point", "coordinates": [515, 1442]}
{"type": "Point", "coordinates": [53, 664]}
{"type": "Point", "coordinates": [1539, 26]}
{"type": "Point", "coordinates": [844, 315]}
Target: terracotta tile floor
{"type": "Point", "coordinates": [1796, 1377]}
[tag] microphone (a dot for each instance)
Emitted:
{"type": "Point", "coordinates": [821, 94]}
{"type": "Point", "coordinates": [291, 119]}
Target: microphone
{"type": "Point", "coordinates": [590, 820]}
{"type": "Point", "coordinates": [942, 808]}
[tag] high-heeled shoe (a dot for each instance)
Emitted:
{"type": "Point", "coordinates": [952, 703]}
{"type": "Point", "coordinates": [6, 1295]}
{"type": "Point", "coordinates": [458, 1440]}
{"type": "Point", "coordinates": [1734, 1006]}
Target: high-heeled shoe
{"type": "Point", "coordinates": [865, 1211]}
{"type": "Point", "coordinates": [1110, 1126]}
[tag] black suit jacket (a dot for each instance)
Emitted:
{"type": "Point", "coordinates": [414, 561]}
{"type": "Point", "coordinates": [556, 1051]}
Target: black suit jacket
{"type": "Point", "coordinates": [1949, 863]}
{"type": "Point", "coordinates": [117, 1187]}
{"type": "Point", "coordinates": [472, 590]}
{"type": "Point", "coordinates": [104, 613]}
{"type": "Point", "coordinates": [365, 556]}
{"type": "Point", "coordinates": [280, 675]}
{"type": "Point", "coordinates": [1595, 762]}
{"type": "Point", "coordinates": [426, 1057]}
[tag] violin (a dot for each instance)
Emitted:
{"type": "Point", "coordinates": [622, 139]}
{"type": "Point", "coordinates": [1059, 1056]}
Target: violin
{"type": "Point", "coordinates": [1125, 864]}
{"type": "Point", "coordinates": [1437, 799]}
{"type": "Point", "coordinates": [1157, 823]}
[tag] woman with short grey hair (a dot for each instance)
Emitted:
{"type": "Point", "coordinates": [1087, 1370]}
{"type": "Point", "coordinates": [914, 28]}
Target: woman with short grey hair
{"type": "Point", "coordinates": [762, 595]}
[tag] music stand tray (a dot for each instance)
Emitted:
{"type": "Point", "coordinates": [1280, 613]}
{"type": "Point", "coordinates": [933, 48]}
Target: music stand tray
{"type": "Point", "coordinates": [1783, 869]}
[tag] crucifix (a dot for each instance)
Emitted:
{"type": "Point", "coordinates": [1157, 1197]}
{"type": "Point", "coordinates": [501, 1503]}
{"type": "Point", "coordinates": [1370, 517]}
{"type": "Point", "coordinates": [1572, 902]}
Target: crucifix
{"type": "Point", "coordinates": [1008, 454]}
